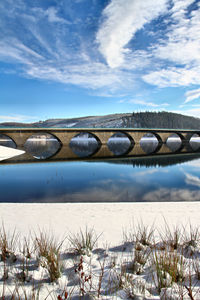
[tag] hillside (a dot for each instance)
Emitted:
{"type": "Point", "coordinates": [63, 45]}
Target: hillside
{"type": "Point", "coordinates": [128, 120]}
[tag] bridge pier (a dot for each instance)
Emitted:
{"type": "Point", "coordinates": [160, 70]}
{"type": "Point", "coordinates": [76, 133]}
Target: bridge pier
{"type": "Point", "coordinates": [65, 151]}
{"type": "Point", "coordinates": [64, 137]}
{"type": "Point", "coordinates": [103, 152]}
{"type": "Point", "coordinates": [136, 136]}
{"type": "Point", "coordinates": [136, 150]}
{"type": "Point", "coordinates": [19, 137]}
{"type": "Point", "coordinates": [102, 136]}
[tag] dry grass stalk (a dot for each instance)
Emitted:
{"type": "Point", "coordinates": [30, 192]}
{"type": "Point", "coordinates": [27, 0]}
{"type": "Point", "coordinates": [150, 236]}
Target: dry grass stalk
{"type": "Point", "coordinates": [172, 237]}
{"type": "Point", "coordinates": [84, 241]}
{"type": "Point", "coordinates": [140, 234]}
{"type": "Point", "coordinates": [49, 255]}
{"type": "Point", "coordinates": [8, 243]}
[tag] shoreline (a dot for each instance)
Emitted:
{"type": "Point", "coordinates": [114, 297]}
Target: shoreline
{"type": "Point", "coordinates": [107, 218]}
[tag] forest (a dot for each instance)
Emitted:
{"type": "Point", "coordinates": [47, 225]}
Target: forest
{"type": "Point", "coordinates": [161, 120]}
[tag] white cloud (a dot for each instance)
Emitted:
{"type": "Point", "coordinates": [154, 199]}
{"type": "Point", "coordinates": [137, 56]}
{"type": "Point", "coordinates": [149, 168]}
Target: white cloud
{"type": "Point", "coordinates": [137, 60]}
{"type": "Point", "coordinates": [145, 173]}
{"type": "Point", "coordinates": [17, 118]}
{"type": "Point", "coordinates": [192, 180]}
{"type": "Point", "coordinates": [180, 46]}
{"type": "Point", "coordinates": [179, 7]}
{"type": "Point", "coordinates": [122, 20]}
{"type": "Point", "coordinates": [192, 95]}
{"type": "Point", "coordinates": [193, 112]}
{"type": "Point", "coordinates": [194, 163]}
{"type": "Point", "coordinates": [173, 77]}
{"type": "Point", "coordinates": [173, 194]}
{"type": "Point", "coordinates": [90, 75]}
{"type": "Point", "coordinates": [192, 105]}
{"type": "Point", "coordinates": [51, 13]}
{"type": "Point", "coordinates": [142, 102]}
{"type": "Point", "coordinates": [14, 49]}
{"type": "Point", "coordinates": [146, 103]}
{"type": "Point", "coordinates": [59, 54]}
{"type": "Point", "coordinates": [51, 55]}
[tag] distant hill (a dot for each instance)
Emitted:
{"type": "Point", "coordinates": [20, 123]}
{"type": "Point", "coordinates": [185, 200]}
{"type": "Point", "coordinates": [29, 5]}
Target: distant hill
{"type": "Point", "coordinates": [128, 120]}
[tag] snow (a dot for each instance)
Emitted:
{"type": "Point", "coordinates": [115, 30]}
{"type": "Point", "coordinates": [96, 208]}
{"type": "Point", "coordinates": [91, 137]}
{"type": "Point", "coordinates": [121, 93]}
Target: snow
{"type": "Point", "coordinates": [109, 218]}
{"type": "Point", "coordinates": [61, 220]}
{"type": "Point", "coordinates": [6, 152]}
{"type": "Point", "coordinates": [71, 124]}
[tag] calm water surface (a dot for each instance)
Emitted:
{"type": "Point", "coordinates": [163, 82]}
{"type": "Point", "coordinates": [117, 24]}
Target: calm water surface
{"type": "Point", "coordinates": [123, 180]}
{"type": "Point", "coordinates": [151, 178]}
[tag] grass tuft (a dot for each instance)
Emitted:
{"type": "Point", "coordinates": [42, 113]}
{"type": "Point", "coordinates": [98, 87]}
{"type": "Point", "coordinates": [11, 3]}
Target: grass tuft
{"type": "Point", "coordinates": [8, 244]}
{"type": "Point", "coordinates": [140, 234]}
{"type": "Point", "coordinates": [192, 238]}
{"type": "Point", "coordinates": [169, 267]}
{"type": "Point", "coordinates": [49, 255]}
{"type": "Point", "coordinates": [172, 237]}
{"type": "Point", "coordinates": [124, 271]}
{"type": "Point", "coordinates": [84, 241]}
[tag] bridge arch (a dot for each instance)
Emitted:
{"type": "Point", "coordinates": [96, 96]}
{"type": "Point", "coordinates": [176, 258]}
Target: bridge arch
{"type": "Point", "coordinates": [194, 141]}
{"type": "Point", "coordinates": [85, 144]}
{"type": "Point", "coordinates": [120, 143]}
{"type": "Point", "coordinates": [42, 145]}
{"type": "Point", "coordinates": [151, 142]}
{"type": "Point", "coordinates": [6, 140]}
{"type": "Point", "coordinates": [182, 137]}
{"type": "Point", "coordinates": [157, 135]}
{"type": "Point", "coordinates": [175, 142]}
{"type": "Point", "coordinates": [44, 133]}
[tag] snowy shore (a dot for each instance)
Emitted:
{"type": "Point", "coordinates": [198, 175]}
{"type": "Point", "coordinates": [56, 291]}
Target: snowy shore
{"type": "Point", "coordinates": [6, 152]}
{"type": "Point", "coordinates": [130, 267]}
{"type": "Point", "coordinates": [109, 218]}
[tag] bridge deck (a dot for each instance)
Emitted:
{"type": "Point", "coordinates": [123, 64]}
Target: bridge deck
{"type": "Point", "coordinates": [3, 129]}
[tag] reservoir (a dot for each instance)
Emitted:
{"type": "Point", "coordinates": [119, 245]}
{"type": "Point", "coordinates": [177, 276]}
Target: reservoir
{"type": "Point", "coordinates": [172, 176]}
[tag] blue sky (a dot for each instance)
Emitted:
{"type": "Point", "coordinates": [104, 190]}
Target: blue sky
{"type": "Point", "coordinates": [68, 58]}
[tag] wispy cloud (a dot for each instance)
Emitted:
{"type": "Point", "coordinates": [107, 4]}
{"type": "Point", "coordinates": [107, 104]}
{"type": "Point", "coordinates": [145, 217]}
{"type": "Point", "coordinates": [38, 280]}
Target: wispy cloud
{"type": "Point", "coordinates": [121, 21]}
{"type": "Point", "coordinates": [147, 103]}
{"type": "Point", "coordinates": [190, 111]}
{"type": "Point", "coordinates": [56, 43]}
{"type": "Point", "coordinates": [192, 180]}
{"type": "Point", "coordinates": [173, 77]}
{"type": "Point", "coordinates": [17, 118]}
{"type": "Point", "coordinates": [141, 102]}
{"type": "Point", "coordinates": [192, 95]}
{"type": "Point", "coordinates": [173, 194]}
{"type": "Point", "coordinates": [49, 48]}
{"type": "Point", "coordinates": [182, 37]}
{"type": "Point", "coordinates": [180, 47]}
{"type": "Point", "coordinates": [51, 13]}
{"type": "Point", "coordinates": [194, 163]}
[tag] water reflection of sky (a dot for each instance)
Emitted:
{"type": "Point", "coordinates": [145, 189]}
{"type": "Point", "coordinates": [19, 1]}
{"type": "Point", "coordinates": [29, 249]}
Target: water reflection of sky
{"type": "Point", "coordinates": [92, 181]}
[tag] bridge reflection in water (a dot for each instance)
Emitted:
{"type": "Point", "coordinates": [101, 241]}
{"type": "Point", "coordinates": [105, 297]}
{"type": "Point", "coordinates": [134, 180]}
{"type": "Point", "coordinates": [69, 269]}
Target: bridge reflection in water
{"type": "Point", "coordinates": [76, 144]}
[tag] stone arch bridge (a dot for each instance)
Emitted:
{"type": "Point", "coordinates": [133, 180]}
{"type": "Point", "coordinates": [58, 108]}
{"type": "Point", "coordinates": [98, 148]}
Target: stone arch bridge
{"type": "Point", "coordinates": [64, 135]}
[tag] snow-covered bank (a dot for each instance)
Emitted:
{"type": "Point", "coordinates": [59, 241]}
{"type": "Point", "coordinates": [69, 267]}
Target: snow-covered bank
{"type": "Point", "coordinates": [6, 152]}
{"type": "Point", "coordinates": [135, 268]}
{"type": "Point", "coordinates": [109, 218]}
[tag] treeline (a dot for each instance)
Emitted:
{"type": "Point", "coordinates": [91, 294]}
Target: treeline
{"type": "Point", "coordinates": [160, 120]}
{"type": "Point", "coordinates": [130, 120]}
{"type": "Point", "coordinates": [156, 161]}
